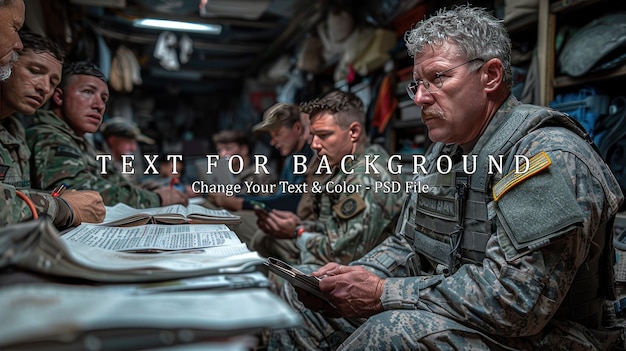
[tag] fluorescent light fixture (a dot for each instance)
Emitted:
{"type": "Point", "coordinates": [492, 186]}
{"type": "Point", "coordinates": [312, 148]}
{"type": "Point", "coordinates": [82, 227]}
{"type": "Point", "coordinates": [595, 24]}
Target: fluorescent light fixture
{"type": "Point", "coordinates": [215, 29]}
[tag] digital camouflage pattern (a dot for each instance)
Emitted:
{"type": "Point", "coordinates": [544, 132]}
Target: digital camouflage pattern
{"type": "Point", "coordinates": [505, 303]}
{"type": "Point", "coordinates": [306, 207]}
{"type": "Point", "coordinates": [348, 224]}
{"type": "Point", "coordinates": [15, 174]}
{"type": "Point", "coordinates": [60, 156]}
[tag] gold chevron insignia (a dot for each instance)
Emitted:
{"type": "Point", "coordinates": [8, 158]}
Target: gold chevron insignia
{"type": "Point", "coordinates": [537, 163]}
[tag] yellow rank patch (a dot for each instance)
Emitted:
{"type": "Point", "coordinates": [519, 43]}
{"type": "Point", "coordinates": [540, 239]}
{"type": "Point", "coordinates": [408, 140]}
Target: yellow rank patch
{"type": "Point", "coordinates": [537, 163]}
{"type": "Point", "coordinates": [349, 206]}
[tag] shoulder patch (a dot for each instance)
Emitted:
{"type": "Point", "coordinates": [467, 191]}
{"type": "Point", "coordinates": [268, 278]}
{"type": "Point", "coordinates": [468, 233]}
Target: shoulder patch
{"type": "Point", "coordinates": [537, 163]}
{"type": "Point", "coordinates": [349, 206]}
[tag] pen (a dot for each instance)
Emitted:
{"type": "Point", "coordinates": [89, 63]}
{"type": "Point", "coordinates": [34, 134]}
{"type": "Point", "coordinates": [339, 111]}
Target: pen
{"type": "Point", "coordinates": [58, 191]}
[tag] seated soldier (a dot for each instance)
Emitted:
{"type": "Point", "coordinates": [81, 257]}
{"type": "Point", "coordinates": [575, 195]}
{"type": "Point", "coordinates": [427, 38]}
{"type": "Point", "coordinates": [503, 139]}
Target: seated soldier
{"type": "Point", "coordinates": [61, 154]}
{"type": "Point", "coordinates": [289, 134]}
{"type": "Point", "coordinates": [121, 136]}
{"type": "Point", "coordinates": [229, 143]}
{"type": "Point", "coordinates": [349, 222]}
{"type": "Point", "coordinates": [34, 77]}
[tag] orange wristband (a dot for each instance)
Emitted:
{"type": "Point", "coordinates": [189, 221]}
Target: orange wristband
{"type": "Point", "coordinates": [299, 231]}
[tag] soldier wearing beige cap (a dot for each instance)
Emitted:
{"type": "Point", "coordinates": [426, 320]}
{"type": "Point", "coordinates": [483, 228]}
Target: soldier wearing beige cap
{"type": "Point", "coordinates": [289, 134]}
{"type": "Point", "coordinates": [121, 136]}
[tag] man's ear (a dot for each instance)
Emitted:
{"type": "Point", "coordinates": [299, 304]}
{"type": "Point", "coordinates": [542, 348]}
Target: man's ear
{"type": "Point", "coordinates": [57, 97]}
{"type": "Point", "coordinates": [297, 126]}
{"type": "Point", "coordinates": [494, 74]}
{"type": "Point", "coordinates": [355, 131]}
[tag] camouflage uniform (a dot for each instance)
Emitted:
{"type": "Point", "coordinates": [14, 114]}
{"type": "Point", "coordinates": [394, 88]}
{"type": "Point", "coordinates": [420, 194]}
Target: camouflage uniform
{"type": "Point", "coordinates": [348, 224]}
{"type": "Point", "coordinates": [514, 297]}
{"type": "Point", "coordinates": [62, 157]}
{"type": "Point", "coordinates": [306, 207]}
{"type": "Point", "coordinates": [15, 174]}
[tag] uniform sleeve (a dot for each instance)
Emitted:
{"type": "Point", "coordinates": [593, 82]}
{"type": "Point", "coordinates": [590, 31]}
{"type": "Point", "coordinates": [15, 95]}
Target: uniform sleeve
{"type": "Point", "coordinates": [359, 222]}
{"type": "Point", "coordinates": [517, 290]}
{"type": "Point", "coordinates": [58, 160]}
{"type": "Point", "coordinates": [13, 209]}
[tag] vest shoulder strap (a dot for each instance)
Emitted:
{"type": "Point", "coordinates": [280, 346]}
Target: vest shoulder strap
{"type": "Point", "coordinates": [523, 119]}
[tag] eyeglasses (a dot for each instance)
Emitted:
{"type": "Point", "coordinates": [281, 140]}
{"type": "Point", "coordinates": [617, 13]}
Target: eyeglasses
{"type": "Point", "coordinates": [436, 84]}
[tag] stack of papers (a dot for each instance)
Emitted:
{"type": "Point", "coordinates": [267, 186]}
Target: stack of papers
{"type": "Point", "coordinates": [36, 246]}
{"type": "Point", "coordinates": [151, 238]}
{"type": "Point", "coordinates": [53, 317]}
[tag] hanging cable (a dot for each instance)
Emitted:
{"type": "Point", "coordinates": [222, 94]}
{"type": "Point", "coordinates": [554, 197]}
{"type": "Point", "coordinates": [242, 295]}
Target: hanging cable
{"type": "Point", "coordinates": [30, 204]}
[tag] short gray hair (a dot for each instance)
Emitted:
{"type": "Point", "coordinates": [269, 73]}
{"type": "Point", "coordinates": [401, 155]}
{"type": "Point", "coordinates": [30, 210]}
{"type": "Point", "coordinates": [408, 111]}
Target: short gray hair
{"type": "Point", "coordinates": [476, 33]}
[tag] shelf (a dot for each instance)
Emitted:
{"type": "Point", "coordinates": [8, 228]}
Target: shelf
{"type": "Point", "coordinates": [527, 23]}
{"type": "Point", "coordinates": [566, 81]}
{"type": "Point", "coordinates": [561, 6]}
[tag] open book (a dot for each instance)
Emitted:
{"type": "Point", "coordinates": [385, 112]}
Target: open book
{"type": "Point", "coordinates": [122, 215]}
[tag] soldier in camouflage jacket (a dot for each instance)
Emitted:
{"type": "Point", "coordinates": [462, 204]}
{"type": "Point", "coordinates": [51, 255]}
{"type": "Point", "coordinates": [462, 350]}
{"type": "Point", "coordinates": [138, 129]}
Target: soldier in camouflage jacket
{"type": "Point", "coordinates": [351, 216]}
{"type": "Point", "coordinates": [34, 77]}
{"type": "Point", "coordinates": [502, 259]}
{"type": "Point", "coordinates": [61, 154]}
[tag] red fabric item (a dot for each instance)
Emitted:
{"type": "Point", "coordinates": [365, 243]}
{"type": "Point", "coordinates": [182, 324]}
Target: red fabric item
{"type": "Point", "coordinates": [351, 74]}
{"type": "Point", "coordinates": [407, 20]}
{"type": "Point", "coordinates": [386, 104]}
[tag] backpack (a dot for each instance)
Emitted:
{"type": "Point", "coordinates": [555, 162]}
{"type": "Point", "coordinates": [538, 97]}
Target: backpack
{"type": "Point", "coordinates": [586, 106]}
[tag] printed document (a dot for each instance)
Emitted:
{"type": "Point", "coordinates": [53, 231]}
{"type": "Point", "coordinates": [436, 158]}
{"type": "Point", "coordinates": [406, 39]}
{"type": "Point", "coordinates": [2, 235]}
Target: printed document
{"type": "Point", "coordinates": [153, 236]}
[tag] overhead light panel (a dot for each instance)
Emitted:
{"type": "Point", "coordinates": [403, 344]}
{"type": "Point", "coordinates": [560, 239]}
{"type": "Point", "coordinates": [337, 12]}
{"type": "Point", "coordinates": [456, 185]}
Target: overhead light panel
{"type": "Point", "coordinates": [215, 29]}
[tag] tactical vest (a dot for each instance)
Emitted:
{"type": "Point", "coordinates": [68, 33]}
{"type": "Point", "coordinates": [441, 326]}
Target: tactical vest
{"type": "Point", "coordinates": [453, 221]}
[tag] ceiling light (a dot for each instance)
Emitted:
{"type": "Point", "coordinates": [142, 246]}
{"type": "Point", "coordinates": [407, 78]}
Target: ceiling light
{"type": "Point", "coordinates": [215, 29]}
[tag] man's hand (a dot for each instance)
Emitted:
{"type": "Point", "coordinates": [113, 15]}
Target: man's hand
{"type": "Point", "coordinates": [189, 191]}
{"type": "Point", "coordinates": [354, 291]}
{"type": "Point", "coordinates": [86, 205]}
{"type": "Point", "coordinates": [277, 223]}
{"type": "Point", "coordinates": [171, 196]}
{"type": "Point", "coordinates": [231, 203]}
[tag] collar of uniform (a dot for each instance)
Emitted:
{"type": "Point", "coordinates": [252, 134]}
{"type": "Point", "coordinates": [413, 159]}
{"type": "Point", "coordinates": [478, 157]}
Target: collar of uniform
{"type": "Point", "coordinates": [495, 122]}
{"type": "Point", "coordinates": [50, 119]}
{"type": "Point", "coordinates": [358, 155]}
{"type": "Point", "coordinates": [10, 127]}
